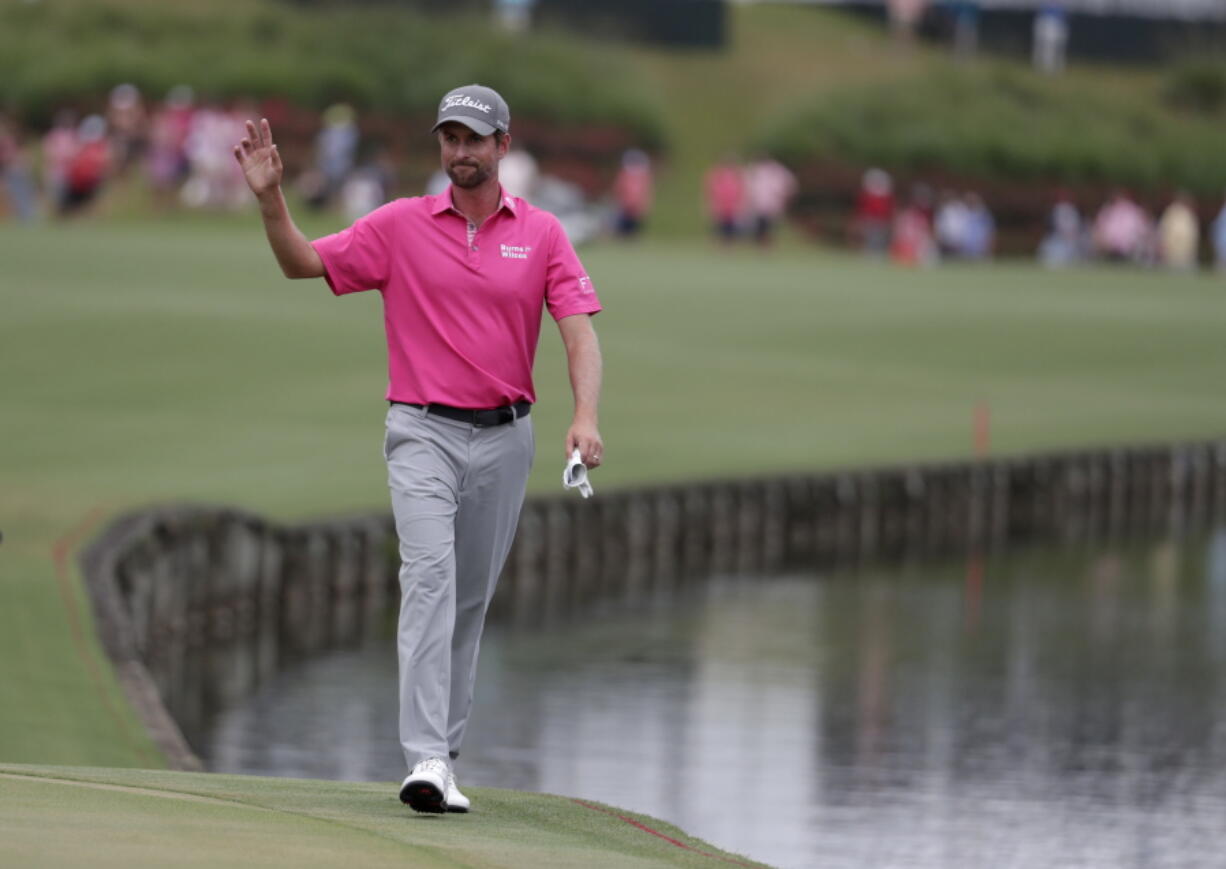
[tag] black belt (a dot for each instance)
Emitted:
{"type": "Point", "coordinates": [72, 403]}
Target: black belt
{"type": "Point", "coordinates": [480, 418]}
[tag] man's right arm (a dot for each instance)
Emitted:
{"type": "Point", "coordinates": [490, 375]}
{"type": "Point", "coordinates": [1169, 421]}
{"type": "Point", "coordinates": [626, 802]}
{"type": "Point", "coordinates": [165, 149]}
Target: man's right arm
{"type": "Point", "coordinates": [261, 164]}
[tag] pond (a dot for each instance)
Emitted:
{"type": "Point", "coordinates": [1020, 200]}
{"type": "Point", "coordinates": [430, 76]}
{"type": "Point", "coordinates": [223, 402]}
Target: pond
{"type": "Point", "coordinates": [1043, 707]}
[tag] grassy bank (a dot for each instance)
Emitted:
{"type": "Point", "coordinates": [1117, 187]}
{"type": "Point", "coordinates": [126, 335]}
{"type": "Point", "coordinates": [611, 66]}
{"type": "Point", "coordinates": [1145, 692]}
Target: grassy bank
{"type": "Point", "coordinates": [128, 818]}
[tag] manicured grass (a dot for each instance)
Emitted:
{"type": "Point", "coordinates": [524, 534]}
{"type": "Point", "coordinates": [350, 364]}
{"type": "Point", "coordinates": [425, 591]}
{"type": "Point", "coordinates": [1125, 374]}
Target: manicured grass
{"type": "Point", "coordinates": [65, 816]}
{"type": "Point", "coordinates": [146, 361]}
{"type": "Point", "coordinates": [149, 361]}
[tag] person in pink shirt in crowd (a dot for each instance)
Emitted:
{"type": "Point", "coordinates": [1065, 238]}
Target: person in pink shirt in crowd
{"type": "Point", "coordinates": [59, 147]}
{"type": "Point", "coordinates": [725, 187]}
{"type": "Point", "coordinates": [912, 243]}
{"type": "Point", "coordinates": [769, 187]}
{"type": "Point", "coordinates": [632, 190]}
{"type": "Point", "coordinates": [167, 162]}
{"type": "Point", "coordinates": [464, 276]}
{"type": "Point", "coordinates": [1123, 232]}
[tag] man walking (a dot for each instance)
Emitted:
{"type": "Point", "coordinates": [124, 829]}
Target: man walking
{"type": "Point", "coordinates": [464, 277]}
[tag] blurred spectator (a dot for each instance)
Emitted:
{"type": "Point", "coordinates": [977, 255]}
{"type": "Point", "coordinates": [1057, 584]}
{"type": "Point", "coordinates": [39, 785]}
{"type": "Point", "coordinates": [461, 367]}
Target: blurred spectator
{"type": "Point", "coordinates": [904, 16]}
{"type": "Point", "coordinates": [1179, 234]}
{"type": "Point", "coordinates": [566, 201]}
{"type": "Point", "coordinates": [127, 125]}
{"type": "Point", "coordinates": [515, 16]}
{"type": "Point", "coordinates": [89, 167]}
{"type": "Point", "coordinates": [1122, 230]}
{"type": "Point", "coordinates": [979, 239]}
{"type": "Point", "coordinates": [1065, 241]}
{"type": "Point", "coordinates": [950, 224]}
{"type": "Point", "coordinates": [632, 191]}
{"type": "Point", "coordinates": [518, 173]}
{"type": "Point", "coordinates": [1050, 38]}
{"type": "Point", "coordinates": [437, 183]}
{"type": "Point", "coordinates": [966, 27]}
{"type": "Point", "coordinates": [1219, 239]}
{"type": "Point", "coordinates": [769, 186]}
{"type": "Point", "coordinates": [725, 188]}
{"type": "Point", "coordinates": [874, 212]}
{"type": "Point", "coordinates": [912, 243]}
{"type": "Point", "coordinates": [169, 128]}
{"type": "Point", "coordinates": [336, 148]}
{"type": "Point", "coordinates": [214, 180]}
{"type": "Point", "coordinates": [59, 146]}
{"type": "Point", "coordinates": [369, 186]}
{"type": "Point", "coordinates": [19, 186]}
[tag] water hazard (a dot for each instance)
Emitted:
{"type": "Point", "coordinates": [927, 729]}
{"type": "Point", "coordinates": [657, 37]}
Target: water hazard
{"type": "Point", "coordinates": [1053, 707]}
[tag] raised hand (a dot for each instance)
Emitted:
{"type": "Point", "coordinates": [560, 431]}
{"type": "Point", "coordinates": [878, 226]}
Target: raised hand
{"type": "Point", "coordinates": [258, 157]}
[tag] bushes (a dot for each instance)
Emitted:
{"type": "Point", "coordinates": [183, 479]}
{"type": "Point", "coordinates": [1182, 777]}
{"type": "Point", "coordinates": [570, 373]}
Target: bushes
{"type": "Point", "coordinates": [1197, 86]}
{"type": "Point", "coordinates": [999, 124]}
{"type": "Point", "coordinates": [59, 52]}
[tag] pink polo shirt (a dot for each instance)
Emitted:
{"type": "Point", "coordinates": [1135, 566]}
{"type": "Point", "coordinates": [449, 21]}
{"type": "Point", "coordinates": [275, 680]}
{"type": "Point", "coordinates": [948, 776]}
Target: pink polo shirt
{"type": "Point", "coordinates": [462, 319]}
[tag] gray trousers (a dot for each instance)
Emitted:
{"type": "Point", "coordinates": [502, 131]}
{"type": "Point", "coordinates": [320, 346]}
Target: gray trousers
{"type": "Point", "coordinates": [456, 495]}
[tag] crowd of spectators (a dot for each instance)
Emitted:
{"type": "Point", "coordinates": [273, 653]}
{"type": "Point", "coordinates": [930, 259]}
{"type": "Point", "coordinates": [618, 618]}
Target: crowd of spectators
{"type": "Point", "coordinates": [924, 230]}
{"type": "Point", "coordinates": [182, 151]}
{"type": "Point", "coordinates": [1123, 231]}
{"type": "Point", "coordinates": [748, 200]}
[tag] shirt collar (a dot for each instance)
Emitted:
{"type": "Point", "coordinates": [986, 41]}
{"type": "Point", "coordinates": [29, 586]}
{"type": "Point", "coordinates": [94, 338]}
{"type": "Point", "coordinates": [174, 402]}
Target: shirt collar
{"type": "Point", "coordinates": [443, 202]}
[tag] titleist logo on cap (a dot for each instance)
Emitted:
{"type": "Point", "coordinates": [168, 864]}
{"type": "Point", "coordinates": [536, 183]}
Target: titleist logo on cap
{"type": "Point", "coordinates": [467, 101]}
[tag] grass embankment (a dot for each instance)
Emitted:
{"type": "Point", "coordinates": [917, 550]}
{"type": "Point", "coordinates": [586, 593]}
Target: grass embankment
{"type": "Point", "coordinates": [65, 816]}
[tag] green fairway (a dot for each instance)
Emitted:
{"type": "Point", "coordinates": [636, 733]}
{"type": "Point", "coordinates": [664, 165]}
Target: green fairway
{"type": "Point", "coordinates": [146, 361]}
{"type": "Point", "coordinates": [151, 818]}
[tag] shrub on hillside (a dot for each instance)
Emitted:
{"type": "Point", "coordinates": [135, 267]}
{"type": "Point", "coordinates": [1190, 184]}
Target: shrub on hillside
{"type": "Point", "coordinates": [1197, 86]}
{"type": "Point", "coordinates": [1005, 125]}
{"type": "Point", "coordinates": [390, 61]}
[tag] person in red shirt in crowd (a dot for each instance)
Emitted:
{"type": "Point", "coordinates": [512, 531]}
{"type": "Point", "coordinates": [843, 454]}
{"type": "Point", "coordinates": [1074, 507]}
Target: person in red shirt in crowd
{"type": "Point", "coordinates": [632, 189]}
{"type": "Point", "coordinates": [725, 187]}
{"type": "Point", "coordinates": [874, 212]}
{"type": "Point", "coordinates": [89, 166]}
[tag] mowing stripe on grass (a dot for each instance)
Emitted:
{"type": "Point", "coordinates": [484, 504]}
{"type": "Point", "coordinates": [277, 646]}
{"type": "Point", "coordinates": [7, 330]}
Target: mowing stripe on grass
{"type": "Point", "coordinates": [646, 829]}
{"type": "Point", "coordinates": [129, 789]}
{"type": "Point", "coordinates": [61, 549]}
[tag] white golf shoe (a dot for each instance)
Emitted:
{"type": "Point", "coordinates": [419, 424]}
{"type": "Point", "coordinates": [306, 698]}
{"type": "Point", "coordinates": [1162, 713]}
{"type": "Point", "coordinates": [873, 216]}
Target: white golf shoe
{"type": "Point", "coordinates": [456, 801]}
{"type": "Point", "coordinates": [425, 788]}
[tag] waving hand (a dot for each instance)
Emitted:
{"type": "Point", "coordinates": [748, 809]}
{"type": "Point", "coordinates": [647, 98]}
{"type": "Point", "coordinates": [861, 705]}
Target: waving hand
{"type": "Point", "coordinates": [258, 157]}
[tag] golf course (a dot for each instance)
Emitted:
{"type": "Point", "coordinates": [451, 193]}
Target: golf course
{"type": "Point", "coordinates": [150, 361]}
{"type": "Point", "coordinates": [163, 358]}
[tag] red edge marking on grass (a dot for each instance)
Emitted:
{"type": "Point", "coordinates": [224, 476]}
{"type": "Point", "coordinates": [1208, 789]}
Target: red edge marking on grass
{"type": "Point", "coordinates": [60, 552]}
{"type": "Point", "coordinates": [646, 829]}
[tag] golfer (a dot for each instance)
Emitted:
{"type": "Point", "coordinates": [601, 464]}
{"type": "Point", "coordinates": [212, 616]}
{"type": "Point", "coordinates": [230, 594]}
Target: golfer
{"type": "Point", "coordinates": [465, 276]}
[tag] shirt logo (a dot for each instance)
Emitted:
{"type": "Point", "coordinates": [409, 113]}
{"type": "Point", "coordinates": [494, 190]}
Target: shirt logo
{"type": "Point", "coordinates": [585, 285]}
{"type": "Point", "coordinates": [515, 251]}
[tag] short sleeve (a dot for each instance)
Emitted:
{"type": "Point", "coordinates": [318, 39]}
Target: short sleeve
{"type": "Point", "coordinates": [356, 259]}
{"type": "Point", "coordinates": [568, 289]}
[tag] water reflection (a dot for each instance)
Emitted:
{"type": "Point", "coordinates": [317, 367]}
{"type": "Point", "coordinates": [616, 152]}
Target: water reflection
{"type": "Point", "coordinates": [1052, 708]}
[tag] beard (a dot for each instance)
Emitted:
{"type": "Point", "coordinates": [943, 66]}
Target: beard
{"type": "Point", "coordinates": [468, 180]}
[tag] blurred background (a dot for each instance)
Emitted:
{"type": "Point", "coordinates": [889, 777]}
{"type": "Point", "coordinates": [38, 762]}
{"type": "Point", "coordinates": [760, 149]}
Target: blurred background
{"type": "Point", "coordinates": [826, 234]}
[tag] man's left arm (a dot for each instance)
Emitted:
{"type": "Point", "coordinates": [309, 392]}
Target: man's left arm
{"type": "Point", "coordinates": [584, 362]}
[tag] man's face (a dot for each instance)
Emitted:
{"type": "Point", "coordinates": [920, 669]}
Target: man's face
{"type": "Point", "coordinates": [468, 158]}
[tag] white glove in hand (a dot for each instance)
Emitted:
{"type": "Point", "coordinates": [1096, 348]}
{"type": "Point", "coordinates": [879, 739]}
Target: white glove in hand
{"type": "Point", "coordinates": [575, 475]}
